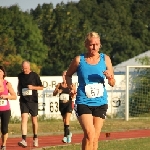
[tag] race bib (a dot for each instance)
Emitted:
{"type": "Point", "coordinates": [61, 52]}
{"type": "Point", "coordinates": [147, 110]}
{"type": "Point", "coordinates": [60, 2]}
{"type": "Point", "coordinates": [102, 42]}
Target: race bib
{"type": "Point", "coordinates": [94, 90]}
{"type": "Point", "coordinates": [3, 102]}
{"type": "Point", "coordinates": [26, 92]}
{"type": "Point", "coordinates": [64, 97]}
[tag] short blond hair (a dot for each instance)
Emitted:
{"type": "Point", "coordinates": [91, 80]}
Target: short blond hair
{"type": "Point", "coordinates": [90, 35]}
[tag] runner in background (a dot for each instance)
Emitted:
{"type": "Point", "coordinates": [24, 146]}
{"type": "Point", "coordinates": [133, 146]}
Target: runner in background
{"type": "Point", "coordinates": [66, 106]}
{"type": "Point", "coordinates": [6, 93]}
{"type": "Point", "coordinates": [28, 84]}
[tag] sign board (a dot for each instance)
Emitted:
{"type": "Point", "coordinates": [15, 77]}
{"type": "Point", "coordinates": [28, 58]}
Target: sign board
{"type": "Point", "coordinates": [49, 104]}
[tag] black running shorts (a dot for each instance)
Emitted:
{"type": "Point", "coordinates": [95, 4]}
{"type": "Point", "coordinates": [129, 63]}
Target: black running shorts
{"type": "Point", "coordinates": [96, 111]}
{"type": "Point", "coordinates": [29, 107]}
{"type": "Point", "coordinates": [65, 107]}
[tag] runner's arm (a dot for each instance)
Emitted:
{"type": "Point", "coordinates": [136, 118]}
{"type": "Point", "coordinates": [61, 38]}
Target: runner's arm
{"type": "Point", "coordinates": [71, 70]}
{"type": "Point", "coordinates": [109, 73]}
{"type": "Point", "coordinates": [56, 91]}
{"type": "Point", "coordinates": [12, 95]}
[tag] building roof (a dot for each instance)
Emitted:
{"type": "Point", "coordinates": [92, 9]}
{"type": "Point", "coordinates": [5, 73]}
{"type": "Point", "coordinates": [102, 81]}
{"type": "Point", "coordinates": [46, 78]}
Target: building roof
{"type": "Point", "coordinates": [130, 62]}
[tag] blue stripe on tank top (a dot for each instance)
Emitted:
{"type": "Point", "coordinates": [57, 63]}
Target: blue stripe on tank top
{"type": "Point", "coordinates": [88, 74]}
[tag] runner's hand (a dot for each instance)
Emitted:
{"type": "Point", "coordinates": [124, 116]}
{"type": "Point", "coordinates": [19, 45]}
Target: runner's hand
{"type": "Point", "coordinates": [108, 74]}
{"type": "Point", "coordinates": [59, 90]}
{"type": "Point", "coordinates": [73, 93]}
{"type": "Point", "coordinates": [4, 96]}
{"type": "Point", "coordinates": [30, 87]}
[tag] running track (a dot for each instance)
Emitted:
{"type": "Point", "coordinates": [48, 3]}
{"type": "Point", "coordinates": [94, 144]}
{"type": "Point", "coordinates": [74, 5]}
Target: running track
{"type": "Point", "coordinates": [53, 140]}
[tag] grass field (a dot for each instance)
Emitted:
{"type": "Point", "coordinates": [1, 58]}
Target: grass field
{"type": "Point", "coordinates": [130, 144]}
{"type": "Point", "coordinates": [56, 126]}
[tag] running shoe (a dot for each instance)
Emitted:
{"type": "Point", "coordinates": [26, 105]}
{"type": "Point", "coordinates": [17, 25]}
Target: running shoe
{"type": "Point", "coordinates": [22, 143]}
{"type": "Point", "coordinates": [69, 138]}
{"type": "Point", "coordinates": [35, 142]}
{"type": "Point", "coordinates": [64, 140]}
{"type": "Point", "coordinates": [3, 147]}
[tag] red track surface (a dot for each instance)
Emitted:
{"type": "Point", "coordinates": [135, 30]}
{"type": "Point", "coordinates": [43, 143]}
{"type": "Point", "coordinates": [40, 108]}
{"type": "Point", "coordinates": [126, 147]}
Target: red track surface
{"type": "Point", "coordinates": [53, 140]}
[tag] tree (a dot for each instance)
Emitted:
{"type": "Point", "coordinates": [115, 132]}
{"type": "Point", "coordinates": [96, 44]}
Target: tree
{"type": "Point", "coordinates": [52, 37]}
{"type": "Point", "coordinates": [20, 35]}
{"type": "Point", "coordinates": [13, 63]}
{"type": "Point", "coordinates": [62, 33]}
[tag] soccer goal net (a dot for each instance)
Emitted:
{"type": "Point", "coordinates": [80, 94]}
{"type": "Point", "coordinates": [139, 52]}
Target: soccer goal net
{"type": "Point", "coordinates": [137, 92]}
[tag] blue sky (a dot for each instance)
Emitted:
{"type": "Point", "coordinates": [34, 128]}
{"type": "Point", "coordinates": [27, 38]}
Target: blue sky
{"type": "Point", "coordinates": [28, 4]}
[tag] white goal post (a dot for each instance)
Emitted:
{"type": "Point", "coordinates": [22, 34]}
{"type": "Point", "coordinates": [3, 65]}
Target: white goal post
{"type": "Point", "coordinates": [137, 88]}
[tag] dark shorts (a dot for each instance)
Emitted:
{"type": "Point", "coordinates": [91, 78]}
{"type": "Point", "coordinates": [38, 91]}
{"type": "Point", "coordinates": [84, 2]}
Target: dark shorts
{"type": "Point", "coordinates": [29, 107]}
{"type": "Point", "coordinates": [65, 107]}
{"type": "Point", "coordinates": [96, 111]}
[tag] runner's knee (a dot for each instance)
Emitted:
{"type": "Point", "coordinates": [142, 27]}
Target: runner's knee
{"type": "Point", "coordinates": [4, 130]}
{"type": "Point", "coordinates": [89, 135]}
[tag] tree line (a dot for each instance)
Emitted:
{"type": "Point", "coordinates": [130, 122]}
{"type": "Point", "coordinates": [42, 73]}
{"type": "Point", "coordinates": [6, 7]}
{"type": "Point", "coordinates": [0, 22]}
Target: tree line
{"type": "Point", "coordinates": [51, 37]}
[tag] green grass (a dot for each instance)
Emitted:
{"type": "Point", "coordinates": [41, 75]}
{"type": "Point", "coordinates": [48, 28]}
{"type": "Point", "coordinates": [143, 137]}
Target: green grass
{"type": "Point", "coordinates": [53, 126]}
{"type": "Point", "coordinates": [130, 144]}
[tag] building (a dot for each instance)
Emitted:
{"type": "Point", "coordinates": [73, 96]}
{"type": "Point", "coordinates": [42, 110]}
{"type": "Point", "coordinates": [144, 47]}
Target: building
{"type": "Point", "coordinates": [121, 68]}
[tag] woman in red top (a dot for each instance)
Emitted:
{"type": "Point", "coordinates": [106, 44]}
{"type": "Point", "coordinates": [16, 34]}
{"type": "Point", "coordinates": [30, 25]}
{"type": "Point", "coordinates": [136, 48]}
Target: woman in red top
{"type": "Point", "coordinates": [6, 93]}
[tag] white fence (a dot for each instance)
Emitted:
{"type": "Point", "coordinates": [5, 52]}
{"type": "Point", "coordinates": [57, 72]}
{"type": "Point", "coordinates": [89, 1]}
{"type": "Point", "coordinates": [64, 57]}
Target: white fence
{"type": "Point", "coordinates": [49, 104]}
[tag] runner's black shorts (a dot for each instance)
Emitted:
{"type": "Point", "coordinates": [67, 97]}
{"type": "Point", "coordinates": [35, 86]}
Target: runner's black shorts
{"type": "Point", "coordinates": [29, 107]}
{"type": "Point", "coordinates": [65, 107]}
{"type": "Point", "coordinates": [96, 111]}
